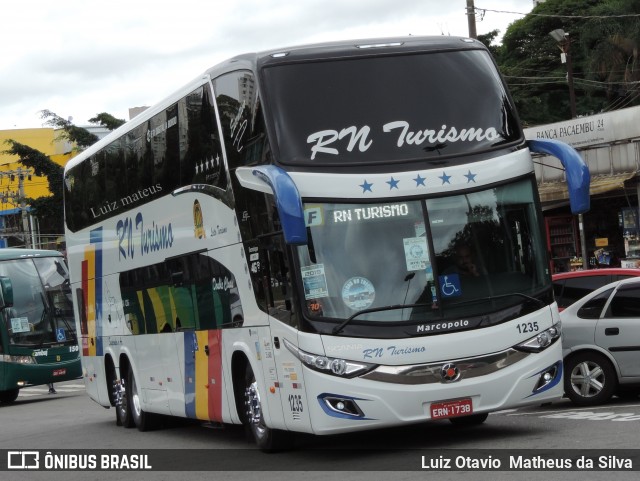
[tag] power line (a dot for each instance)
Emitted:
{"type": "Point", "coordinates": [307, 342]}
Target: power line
{"type": "Point", "coordinates": [579, 17]}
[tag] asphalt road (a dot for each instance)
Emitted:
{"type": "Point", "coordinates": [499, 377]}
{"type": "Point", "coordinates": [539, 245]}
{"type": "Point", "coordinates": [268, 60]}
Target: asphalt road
{"type": "Point", "coordinates": [70, 423]}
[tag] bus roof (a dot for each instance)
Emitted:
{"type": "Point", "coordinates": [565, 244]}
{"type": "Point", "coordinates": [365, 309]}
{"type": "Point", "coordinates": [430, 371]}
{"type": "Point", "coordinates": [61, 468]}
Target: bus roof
{"type": "Point", "coordinates": [256, 60]}
{"type": "Point", "coordinates": [11, 253]}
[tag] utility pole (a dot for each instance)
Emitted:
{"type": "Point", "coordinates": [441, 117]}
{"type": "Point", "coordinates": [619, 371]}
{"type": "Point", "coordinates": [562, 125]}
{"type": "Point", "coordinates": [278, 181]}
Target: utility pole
{"type": "Point", "coordinates": [564, 42]}
{"type": "Point", "coordinates": [471, 19]}
{"type": "Point", "coordinates": [23, 209]}
{"type": "Point", "coordinates": [18, 198]}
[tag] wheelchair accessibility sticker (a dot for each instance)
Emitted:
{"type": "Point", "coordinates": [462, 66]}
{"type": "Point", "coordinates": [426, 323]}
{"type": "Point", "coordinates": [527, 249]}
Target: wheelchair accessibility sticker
{"type": "Point", "coordinates": [450, 285]}
{"type": "Point", "coordinates": [60, 334]}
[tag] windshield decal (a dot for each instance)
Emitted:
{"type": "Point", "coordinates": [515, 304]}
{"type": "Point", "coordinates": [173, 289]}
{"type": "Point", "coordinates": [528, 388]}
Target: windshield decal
{"type": "Point", "coordinates": [20, 324]}
{"type": "Point", "coordinates": [325, 141]}
{"type": "Point", "coordinates": [358, 293]}
{"type": "Point", "coordinates": [450, 285]}
{"type": "Point", "coordinates": [416, 253]}
{"type": "Point", "coordinates": [314, 281]}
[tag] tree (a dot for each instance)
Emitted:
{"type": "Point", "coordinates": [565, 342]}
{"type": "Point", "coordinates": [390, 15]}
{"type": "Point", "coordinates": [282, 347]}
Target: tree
{"type": "Point", "coordinates": [603, 50]}
{"type": "Point", "coordinates": [49, 210]}
{"type": "Point", "coordinates": [107, 120]}
{"type": "Point", "coordinates": [80, 136]}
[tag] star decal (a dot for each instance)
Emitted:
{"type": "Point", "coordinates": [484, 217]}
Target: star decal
{"type": "Point", "coordinates": [393, 183]}
{"type": "Point", "coordinates": [366, 187]}
{"type": "Point", "coordinates": [420, 181]}
{"type": "Point", "coordinates": [445, 178]}
{"type": "Point", "coordinates": [470, 177]}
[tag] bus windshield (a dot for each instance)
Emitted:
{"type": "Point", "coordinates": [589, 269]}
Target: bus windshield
{"type": "Point", "coordinates": [424, 260]}
{"type": "Point", "coordinates": [389, 108]}
{"type": "Point", "coordinates": [42, 312]}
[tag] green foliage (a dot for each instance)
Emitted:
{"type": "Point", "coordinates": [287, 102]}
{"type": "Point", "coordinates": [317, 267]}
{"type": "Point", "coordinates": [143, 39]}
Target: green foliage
{"type": "Point", "coordinates": [107, 120]}
{"type": "Point", "coordinates": [76, 135]}
{"type": "Point", "coordinates": [604, 57]}
{"type": "Point", "coordinates": [49, 209]}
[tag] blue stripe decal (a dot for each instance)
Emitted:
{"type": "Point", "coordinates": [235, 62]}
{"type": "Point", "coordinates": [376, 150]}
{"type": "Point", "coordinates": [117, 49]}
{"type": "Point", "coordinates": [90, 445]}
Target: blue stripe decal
{"type": "Point", "coordinates": [95, 237]}
{"type": "Point", "coordinates": [190, 374]}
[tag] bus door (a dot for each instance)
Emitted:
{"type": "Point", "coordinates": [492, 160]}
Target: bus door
{"type": "Point", "coordinates": [280, 367]}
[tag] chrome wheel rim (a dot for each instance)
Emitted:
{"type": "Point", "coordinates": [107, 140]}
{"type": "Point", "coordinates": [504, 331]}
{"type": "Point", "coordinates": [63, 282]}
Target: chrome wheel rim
{"type": "Point", "coordinates": [587, 379]}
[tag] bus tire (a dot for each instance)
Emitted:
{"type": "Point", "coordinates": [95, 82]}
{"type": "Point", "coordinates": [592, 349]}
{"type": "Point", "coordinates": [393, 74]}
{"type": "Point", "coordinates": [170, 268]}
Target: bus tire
{"type": "Point", "coordinates": [144, 421]}
{"type": "Point", "coordinates": [267, 439]}
{"type": "Point", "coordinates": [7, 397]}
{"type": "Point", "coordinates": [471, 420]}
{"type": "Point", "coordinates": [123, 411]}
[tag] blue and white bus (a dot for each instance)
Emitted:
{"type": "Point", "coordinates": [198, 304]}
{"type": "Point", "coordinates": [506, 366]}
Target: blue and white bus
{"type": "Point", "coordinates": [274, 245]}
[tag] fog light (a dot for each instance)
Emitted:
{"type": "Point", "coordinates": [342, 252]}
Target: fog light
{"type": "Point", "coordinates": [340, 406]}
{"type": "Point", "coordinates": [548, 378]}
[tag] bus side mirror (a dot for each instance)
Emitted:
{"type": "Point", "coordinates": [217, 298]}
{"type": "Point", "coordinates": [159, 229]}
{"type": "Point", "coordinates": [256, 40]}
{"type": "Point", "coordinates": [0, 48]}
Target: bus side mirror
{"type": "Point", "coordinates": [6, 291]}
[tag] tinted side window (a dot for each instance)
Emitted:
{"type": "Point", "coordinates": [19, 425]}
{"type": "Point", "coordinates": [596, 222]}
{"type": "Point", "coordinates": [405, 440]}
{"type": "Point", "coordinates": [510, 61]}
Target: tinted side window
{"type": "Point", "coordinates": [200, 153]}
{"type": "Point", "coordinates": [579, 287]}
{"type": "Point", "coordinates": [625, 303]}
{"type": "Point", "coordinates": [188, 292]}
{"type": "Point", "coordinates": [621, 277]}
{"type": "Point", "coordinates": [593, 308]}
{"type": "Point", "coordinates": [241, 118]}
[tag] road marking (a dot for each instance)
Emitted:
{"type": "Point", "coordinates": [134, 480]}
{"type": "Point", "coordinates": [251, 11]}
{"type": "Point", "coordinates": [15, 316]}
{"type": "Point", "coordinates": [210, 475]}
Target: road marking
{"type": "Point", "coordinates": [590, 408]}
{"type": "Point", "coordinates": [32, 391]}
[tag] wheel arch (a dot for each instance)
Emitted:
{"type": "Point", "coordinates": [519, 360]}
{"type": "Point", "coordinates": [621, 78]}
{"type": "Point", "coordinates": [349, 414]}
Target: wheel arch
{"type": "Point", "coordinates": [239, 363]}
{"type": "Point", "coordinates": [596, 350]}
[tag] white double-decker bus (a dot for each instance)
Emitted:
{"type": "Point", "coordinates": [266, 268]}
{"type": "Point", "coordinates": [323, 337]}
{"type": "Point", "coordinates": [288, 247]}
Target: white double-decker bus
{"type": "Point", "coordinates": [275, 244]}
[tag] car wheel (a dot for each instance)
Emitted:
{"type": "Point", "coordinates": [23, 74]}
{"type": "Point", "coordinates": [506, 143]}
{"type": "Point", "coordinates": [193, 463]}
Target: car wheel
{"type": "Point", "coordinates": [7, 397]}
{"type": "Point", "coordinates": [590, 379]}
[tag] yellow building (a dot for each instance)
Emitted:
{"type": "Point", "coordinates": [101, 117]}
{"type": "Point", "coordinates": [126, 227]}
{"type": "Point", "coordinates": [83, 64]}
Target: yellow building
{"type": "Point", "coordinates": [17, 227]}
{"type": "Point", "coordinates": [46, 141]}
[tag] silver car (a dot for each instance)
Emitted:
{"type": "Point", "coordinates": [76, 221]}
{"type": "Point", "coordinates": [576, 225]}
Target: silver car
{"type": "Point", "coordinates": [601, 344]}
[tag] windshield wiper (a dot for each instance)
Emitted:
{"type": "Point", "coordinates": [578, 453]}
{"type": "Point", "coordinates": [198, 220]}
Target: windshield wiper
{"type": "Point", "coordinates": [340, 327]}
{"type": "Point", "coordinates": [540, 302]}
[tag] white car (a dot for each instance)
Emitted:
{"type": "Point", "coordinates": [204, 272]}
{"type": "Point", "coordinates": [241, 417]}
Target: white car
{"type": "Point", "coordinates": [601, 344]}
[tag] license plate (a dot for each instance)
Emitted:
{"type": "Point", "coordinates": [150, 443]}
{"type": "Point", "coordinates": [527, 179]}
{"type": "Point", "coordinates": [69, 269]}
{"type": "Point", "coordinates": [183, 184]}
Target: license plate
{"type": "Point", "coordinates": [450, 409]}
{"type": "Point", "coordinates": [59, 372]}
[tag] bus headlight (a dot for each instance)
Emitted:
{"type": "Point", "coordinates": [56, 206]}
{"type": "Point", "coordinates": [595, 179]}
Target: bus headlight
{"type": "Point", "coordinates": [329, 365]}
{"type": "Point", "coordinates": [18, 359]}
{"type": "Point", "coordinates": [542, 340]}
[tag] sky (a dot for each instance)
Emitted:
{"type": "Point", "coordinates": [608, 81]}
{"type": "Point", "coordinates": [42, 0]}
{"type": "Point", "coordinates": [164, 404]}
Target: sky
{"type": "Point", "coordinates": [78, 58]}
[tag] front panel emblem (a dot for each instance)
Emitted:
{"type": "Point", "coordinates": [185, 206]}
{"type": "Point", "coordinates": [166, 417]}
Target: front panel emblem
{"type": "Point", "coordinates": [449, 372]}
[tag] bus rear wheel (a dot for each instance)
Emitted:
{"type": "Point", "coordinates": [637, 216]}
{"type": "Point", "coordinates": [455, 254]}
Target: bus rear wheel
{"type": "Point", "coordinates": [267, 439]}
{"type": "Point", "coordinates": [144, 421]}
{"type": "Point", "coordinates": [123, 408]}
{"type": "Point", "coordinates": [7, 397]}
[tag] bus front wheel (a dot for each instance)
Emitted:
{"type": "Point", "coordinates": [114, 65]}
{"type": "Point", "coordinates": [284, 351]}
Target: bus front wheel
{"type": "Point", "coordinates": [266, 439]}
{"type": "Point", "coordinates": [7, 397]}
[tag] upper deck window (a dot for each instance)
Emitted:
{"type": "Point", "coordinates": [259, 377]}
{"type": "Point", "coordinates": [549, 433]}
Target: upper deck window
{"type": "Point", "coordinates": [388, 108]}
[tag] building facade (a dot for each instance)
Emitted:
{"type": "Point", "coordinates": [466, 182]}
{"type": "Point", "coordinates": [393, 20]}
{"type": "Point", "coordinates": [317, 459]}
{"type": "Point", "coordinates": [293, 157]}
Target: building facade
{"type": "Point", "coordinates": [609, 234]}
